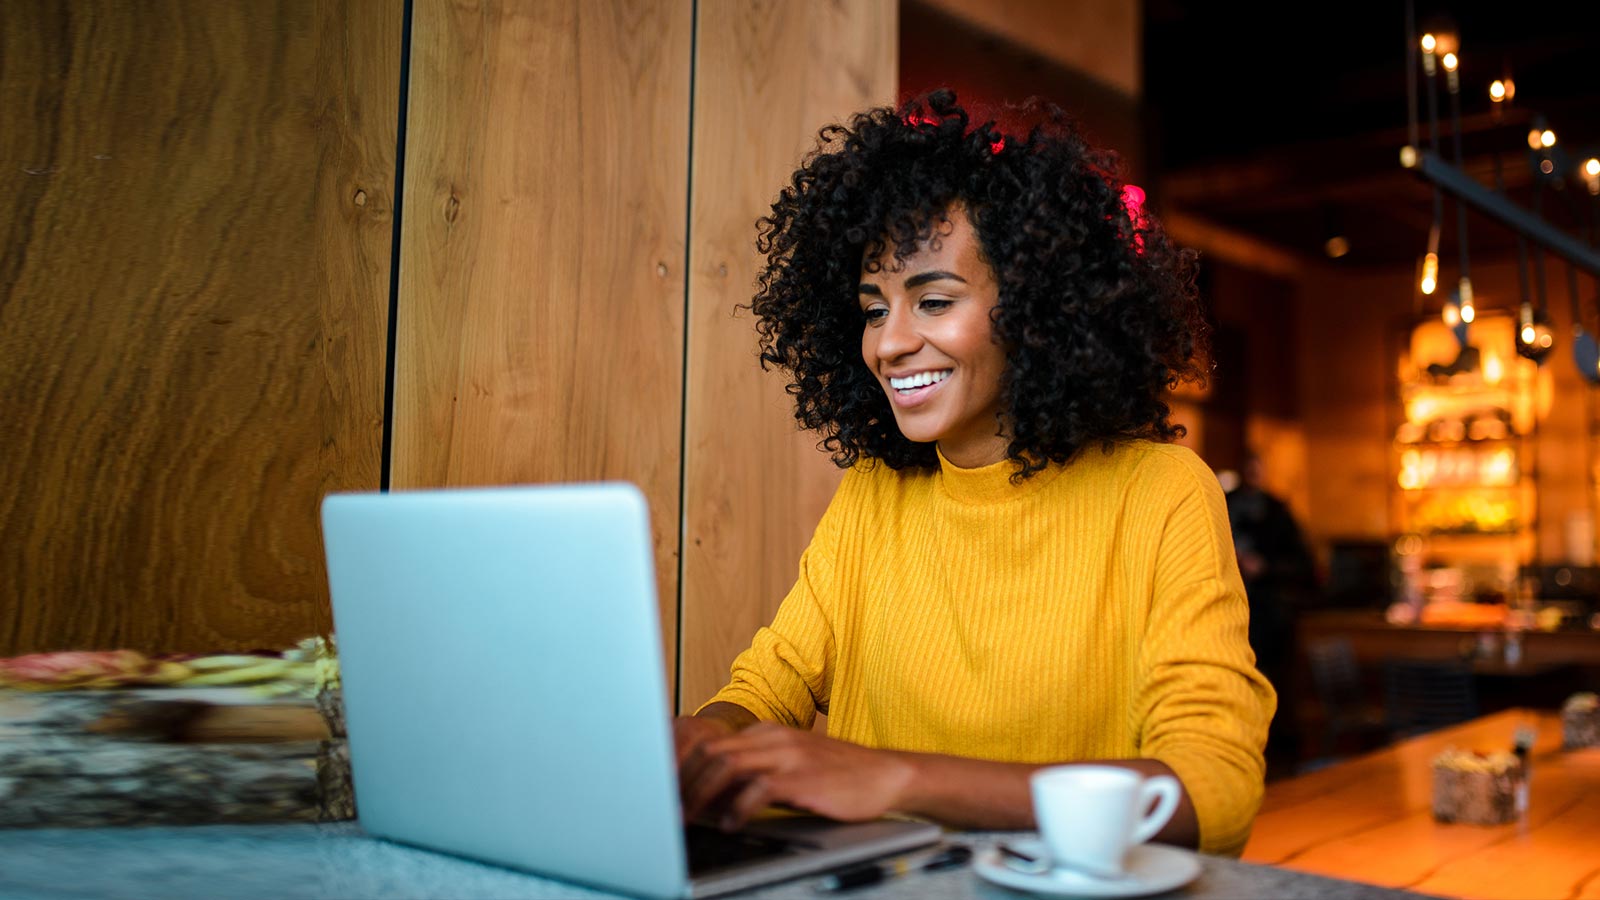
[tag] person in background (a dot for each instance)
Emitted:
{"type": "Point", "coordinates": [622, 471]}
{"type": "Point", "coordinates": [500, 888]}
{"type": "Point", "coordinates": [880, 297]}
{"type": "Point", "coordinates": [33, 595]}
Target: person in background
{"type": "Point", "coordinates": [1279, 580]}
{"type": "Point", "coordinates": [1019, 568]}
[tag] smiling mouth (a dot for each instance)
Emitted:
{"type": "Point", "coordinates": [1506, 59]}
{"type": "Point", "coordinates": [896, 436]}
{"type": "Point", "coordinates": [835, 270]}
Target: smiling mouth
{"type": "Point", "coordinates": [920, 383]}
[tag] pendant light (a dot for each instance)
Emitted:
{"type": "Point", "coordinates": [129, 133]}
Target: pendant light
{"type": "Point", "coordinates": [1535, 339]}
{"type": "Point", "coordinates": [1585, 350]}
{"type": "Point", "coordinates": [1466, 308]}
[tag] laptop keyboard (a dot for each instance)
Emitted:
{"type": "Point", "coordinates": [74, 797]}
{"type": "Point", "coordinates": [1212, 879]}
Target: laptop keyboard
{"type": "Point", "coordinates": [710, 848]}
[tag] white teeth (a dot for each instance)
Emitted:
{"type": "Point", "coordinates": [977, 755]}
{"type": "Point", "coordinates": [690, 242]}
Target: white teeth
{"type": "Point", "coordinates": [921, 379]}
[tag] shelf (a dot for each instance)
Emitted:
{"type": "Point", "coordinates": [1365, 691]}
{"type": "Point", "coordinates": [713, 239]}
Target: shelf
{"type": "Point", "coordinates": [1464, 442]}
{"type": "Point", "coordinates": [1463, 468]}
{"type": "Point", "coordinates": [1465, 488]}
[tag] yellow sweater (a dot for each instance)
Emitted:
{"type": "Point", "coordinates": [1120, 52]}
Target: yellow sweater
{"type": "Point", "coordinates": [1093, 612]}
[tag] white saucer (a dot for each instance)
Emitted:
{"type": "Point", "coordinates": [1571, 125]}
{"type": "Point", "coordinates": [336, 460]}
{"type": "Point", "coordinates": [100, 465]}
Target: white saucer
{"type": "Point", "coordinates": [1151, 869]}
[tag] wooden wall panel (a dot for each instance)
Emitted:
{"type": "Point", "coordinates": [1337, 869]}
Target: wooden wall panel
{"type": "Point", "coordinates": [767, 76]}
{"type": "Point", "coordinates": [191, 322]}
{"type": "Point", "coordinates": [1101, 38]}
{"type": "Point", "coordinates": [540, 320]}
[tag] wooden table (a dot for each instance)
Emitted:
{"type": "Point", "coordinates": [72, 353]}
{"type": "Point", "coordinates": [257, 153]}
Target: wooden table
{"type": "Point", "coordinates": [1370, 820]}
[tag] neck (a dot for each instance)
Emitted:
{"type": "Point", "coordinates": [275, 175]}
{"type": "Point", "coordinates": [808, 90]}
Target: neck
{"type": "Point", "coordinates": [976, 454]}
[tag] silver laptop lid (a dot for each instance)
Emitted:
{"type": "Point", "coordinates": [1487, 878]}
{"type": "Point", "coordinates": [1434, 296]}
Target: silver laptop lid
{"type": "Point", "coordinates": [503, 678]}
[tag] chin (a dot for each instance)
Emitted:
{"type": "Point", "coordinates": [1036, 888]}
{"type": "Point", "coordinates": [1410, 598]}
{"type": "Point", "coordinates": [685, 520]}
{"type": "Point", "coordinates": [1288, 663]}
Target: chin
{"type": "Point", "coordinates": [916, 435]}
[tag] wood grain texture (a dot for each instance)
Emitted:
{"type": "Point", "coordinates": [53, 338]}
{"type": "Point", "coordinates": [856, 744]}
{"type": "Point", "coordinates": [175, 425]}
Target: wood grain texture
{"type": "Point", "coordinates": [767, 76]}
{"type": "Point", "coordinates": [1100, 38]}
{"type": "Point", "coordinates": [540, 322]}
{"type": "Point", "coordinates": [192, 312]}
{"type": "Point", "coordinates": [1370, 820]}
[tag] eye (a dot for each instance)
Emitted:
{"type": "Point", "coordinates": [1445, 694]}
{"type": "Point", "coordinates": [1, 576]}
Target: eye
{"type": "Point", "coordinates": [874, 314]}
{"type": "Point", "coordinates": [934, 304]}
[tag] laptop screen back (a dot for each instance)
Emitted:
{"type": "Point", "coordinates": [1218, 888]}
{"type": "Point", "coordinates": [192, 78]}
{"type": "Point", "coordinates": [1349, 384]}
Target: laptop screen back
{"type": "Point", "coordinates": [503, 678]}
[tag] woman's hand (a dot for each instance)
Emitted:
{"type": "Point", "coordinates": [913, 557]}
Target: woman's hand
{"type": "Point", "coordinates": [689, 732]}
{"type": "Point", "coordinates": [737, 775]}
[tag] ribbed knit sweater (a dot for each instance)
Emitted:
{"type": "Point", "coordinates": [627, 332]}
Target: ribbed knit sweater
{"type": "Point", "coordinates": [1094, 611]}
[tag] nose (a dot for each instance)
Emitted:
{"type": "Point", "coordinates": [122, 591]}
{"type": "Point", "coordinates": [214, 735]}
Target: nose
{"type": "Point", "coordinates": [898, 336]}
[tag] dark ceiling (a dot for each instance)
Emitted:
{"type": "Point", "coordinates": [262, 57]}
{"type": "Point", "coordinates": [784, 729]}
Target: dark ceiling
{"type": "Point", "coordinates": [1290, 131]}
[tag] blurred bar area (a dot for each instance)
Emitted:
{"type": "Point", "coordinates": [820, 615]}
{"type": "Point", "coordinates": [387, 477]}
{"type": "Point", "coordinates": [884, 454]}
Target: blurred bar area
{"type": "Point", "coordinates": [1403, 408]}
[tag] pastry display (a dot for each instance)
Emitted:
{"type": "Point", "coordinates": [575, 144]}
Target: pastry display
{"type": "Point", "coordinates": [1475, 788]}
{"type": "Point", "coordinates": [1580, 721]}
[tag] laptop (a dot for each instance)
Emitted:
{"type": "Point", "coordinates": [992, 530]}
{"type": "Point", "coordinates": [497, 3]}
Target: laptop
{"type": "Point", "coordinates": [505, 695]}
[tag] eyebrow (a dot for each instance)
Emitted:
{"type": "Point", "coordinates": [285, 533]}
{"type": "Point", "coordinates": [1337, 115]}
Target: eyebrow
{"type": "Point", "coordinates": [917, 280]}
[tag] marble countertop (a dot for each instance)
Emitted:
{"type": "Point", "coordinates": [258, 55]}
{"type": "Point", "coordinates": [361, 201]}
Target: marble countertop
{"type": "Point", "coordinates": [288, 862]}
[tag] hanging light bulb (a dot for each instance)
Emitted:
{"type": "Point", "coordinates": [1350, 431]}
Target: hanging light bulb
{"type": "Point", "coordinates": [1468, 311]}
{"type": "Point", "coordinates": [1535, 339]}
{"type": "Point", "coordinates": [1497, 90]}
{"type": "Point", "coordinates": [1451, 313]}
{"type": "Point", "coordinates": [1591, 176]}
{"type": "Point", "coordinates": [1547, 139]}
{"type": "Point", "coordinates": [1430, 273]}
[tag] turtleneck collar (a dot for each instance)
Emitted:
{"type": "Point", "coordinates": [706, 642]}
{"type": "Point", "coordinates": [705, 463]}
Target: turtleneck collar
{"type": "Point", "coordinates": [991, 483]}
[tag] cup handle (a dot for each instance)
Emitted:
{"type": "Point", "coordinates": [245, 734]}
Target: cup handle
{"type": "Point", "coordinates": [1165, 790]}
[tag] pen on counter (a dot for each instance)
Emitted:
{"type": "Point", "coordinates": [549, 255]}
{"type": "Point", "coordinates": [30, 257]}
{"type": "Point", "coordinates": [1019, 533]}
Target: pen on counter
{"type": "Point", "coordinates": [871, 873]}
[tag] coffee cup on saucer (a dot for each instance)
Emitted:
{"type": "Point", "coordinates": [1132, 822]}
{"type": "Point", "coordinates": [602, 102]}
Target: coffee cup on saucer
{"type": "Point", "coordinates": [1090, 816]}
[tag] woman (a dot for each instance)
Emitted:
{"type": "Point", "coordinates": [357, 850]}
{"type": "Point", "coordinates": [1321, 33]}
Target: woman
{"type": "Point", "coordinates": [1018, 569]}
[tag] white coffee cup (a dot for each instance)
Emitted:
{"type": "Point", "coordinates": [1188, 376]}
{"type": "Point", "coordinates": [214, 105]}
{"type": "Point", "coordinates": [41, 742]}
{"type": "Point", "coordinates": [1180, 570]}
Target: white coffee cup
{"type": "Point", "coordinates": [1090, 816]}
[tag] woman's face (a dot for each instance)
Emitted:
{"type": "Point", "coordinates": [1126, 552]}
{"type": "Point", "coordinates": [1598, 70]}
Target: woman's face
{"type": "Point", "coordinates": [930, 342]}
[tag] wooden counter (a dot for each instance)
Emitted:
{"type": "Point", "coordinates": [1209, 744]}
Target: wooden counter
{"type": "Point", "coordinates": [1370, 820]}
{"type": "Point", "coordinates": [1374, 639]}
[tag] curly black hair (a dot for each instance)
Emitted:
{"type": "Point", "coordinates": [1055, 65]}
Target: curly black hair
{"type": "Point", "coordinates": [1097, 312]}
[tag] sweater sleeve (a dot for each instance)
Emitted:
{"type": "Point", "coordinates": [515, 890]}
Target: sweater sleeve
{"type": "Point", "coordinates": [1204, 708]}
{"type": "Point", "coordinates": [786, 674]}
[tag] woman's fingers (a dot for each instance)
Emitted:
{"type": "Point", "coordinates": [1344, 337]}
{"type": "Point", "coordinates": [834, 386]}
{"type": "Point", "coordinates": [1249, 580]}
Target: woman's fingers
{"type": "Point", "coordinates": [725, 767]}
{"type": "Point", "coordinates": [721, 768]}
{"type": "Point", "coordinates": [732, 779]}
{"type": "Point", "coordinates": [689, 733]}
{"type": "Point", "coordinates": [753, 797]}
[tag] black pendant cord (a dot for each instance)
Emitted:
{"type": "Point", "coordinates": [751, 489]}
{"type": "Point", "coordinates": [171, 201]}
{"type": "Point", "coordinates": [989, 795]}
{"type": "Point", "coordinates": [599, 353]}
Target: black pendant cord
{"type": "Point", "coordinates": [1461, 208]}
{"type": "Point", "coordinates": [1585, 349]}
{"type": "Point", "coordinates": [1591, 236]}
{"type": "Point", "coordinates": [1572, 294]}
{"type": "Point", "coordinates": [1431, 65]}
{"type": "Point", "coordinates": [1538, 249]}
{"type": "Point", "coordinates": [1585, 233]}
{"type": "Point", "coordinates": [1522, 242]}
{"type": "Point", "coordinates": [1589, 232]}
{"type": "Point", "coordinates": [1411, 72]}
{"type": "Point", "coordinates": [1528, 313]}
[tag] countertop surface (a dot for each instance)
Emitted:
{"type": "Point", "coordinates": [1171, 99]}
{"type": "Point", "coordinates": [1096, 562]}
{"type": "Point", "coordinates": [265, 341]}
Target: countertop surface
{"type": "Point", "coordinates": [337, 860]}
{"type": "Point", "coordinates": [1370, 819]}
